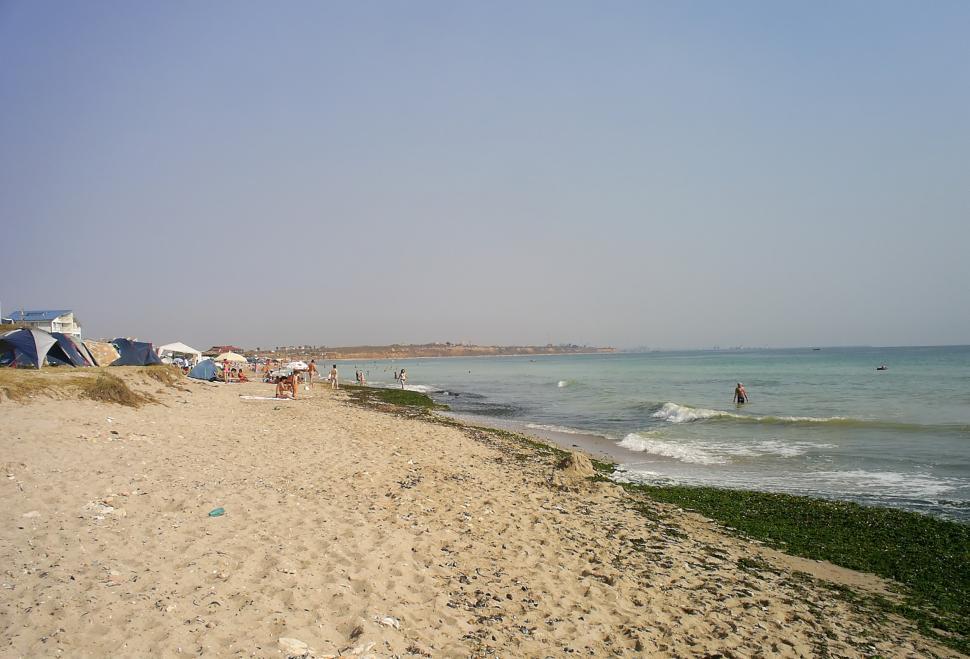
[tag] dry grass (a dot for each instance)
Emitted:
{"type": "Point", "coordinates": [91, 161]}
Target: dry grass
{"type": "Point", "coordinates": [164, 373]}
{"type": "Point", "coordinates": [19, 384]}
{"type": "Point", "coordinates": [109, 388]}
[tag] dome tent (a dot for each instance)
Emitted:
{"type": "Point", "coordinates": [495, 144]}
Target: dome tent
{"type": "Point", "coordinates": [74, 355]}
{"type": "Point", "coordinates": [204, 370]}
{"type": "Point", "coordinates": [25, 348]}
{"type": "Point", "coordinates": [134, 353]}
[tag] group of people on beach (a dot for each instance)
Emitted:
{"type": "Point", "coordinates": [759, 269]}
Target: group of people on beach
{"type": "Point", "coordinates": [287, 384]}
{"type": "Point", "coordinates": [233, 373]}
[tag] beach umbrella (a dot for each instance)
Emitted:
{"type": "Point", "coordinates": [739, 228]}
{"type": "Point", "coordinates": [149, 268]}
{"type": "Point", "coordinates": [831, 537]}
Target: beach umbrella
{"type": "Point", "coordinates": [231, 356]}
{"type": "Point", "coordinates": [297, 366]}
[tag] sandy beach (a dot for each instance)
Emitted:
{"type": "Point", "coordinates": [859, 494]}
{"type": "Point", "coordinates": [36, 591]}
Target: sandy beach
{"type": "Point", "coordinates": [357, 532]}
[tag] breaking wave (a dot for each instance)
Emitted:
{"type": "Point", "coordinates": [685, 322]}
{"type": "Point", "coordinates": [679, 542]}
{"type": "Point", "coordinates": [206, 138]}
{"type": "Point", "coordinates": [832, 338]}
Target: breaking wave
{"type": "Point", "coordinates": [715, 452]}
{"type": "Point", "coordinates": [562, 429]}
{"type": "Point", "coordinates": [674, 413]}
{"type": "Point", "coordinates": [646, 444]}
{"type": "Point", "coordinates": [420, 388]}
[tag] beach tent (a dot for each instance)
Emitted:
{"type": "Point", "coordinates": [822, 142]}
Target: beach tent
{"type": "Point", "coordinates": [180, 350]}
{"type": "Point", "coordinates": [81, 348]}
{"type": "Point", "coordinates": [25, 348]}
{"type": "Point", "coordinates": [134, 353]}
{"type": "Point", "coordinates": [204, 370]}
{"type": "Point", "coordinates": [103, 353]}
{"type": "Point", "coordinates": [67, 353]}
{"type": "Point", "coordinates": [231, 356]}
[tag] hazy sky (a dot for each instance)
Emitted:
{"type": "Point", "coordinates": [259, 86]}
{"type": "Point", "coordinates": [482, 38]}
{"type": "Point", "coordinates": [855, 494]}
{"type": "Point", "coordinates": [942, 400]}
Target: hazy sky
{"type": "Point", "coordinates": [670, 174]}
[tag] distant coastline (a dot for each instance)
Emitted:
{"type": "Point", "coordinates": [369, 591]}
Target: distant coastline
{"type": "Point", "coordinates": [417, 351]}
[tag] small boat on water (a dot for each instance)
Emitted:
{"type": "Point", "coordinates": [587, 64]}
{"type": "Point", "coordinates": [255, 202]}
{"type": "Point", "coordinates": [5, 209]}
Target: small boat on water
{"type": "Point", "coordinates": [882, 368]}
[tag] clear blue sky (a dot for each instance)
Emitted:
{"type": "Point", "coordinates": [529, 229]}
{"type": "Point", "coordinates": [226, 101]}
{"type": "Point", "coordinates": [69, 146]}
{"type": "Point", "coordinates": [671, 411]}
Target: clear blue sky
{"type": "Point", "coordinates": [671, 174]}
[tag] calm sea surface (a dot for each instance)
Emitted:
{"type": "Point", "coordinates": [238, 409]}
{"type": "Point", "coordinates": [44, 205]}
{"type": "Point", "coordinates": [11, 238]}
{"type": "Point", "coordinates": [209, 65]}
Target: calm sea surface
{"type": "Point", "coordinates": [819, 422]}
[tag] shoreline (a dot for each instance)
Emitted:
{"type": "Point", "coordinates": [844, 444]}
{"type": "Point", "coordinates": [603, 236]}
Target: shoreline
{"type": "Point", "coordinates": [357, 531]}
{"type": "Point", "coordinates": [850, 535]}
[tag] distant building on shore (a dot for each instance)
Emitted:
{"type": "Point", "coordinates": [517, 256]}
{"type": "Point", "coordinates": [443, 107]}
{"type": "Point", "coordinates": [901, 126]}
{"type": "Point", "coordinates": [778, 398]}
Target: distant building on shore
{"type": "Point", "coordinates": [214, 351]}
{"type": "Point", "coordinates": [49, 320]}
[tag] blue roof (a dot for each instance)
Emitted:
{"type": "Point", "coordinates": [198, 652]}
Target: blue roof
{"type": "Point", "coordinates": [37, 316]}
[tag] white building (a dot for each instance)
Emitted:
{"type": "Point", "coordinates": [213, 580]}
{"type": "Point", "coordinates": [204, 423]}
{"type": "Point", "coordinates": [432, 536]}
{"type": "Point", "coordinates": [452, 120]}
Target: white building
{"type": "Point", "coordinates": [49, 320]}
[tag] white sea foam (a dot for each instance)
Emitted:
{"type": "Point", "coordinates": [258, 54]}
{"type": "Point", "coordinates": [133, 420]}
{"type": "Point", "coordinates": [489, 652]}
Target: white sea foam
{"type": "Point", "coordinates": [674, 413]}
{"type": "Point", "coordinates": [712, 452]}
{"type": "Point", "coordinates": [888, 482]}
{"type": "Point", "coordinates": [563, 429]}
{"type": "Point", "coordinates": [420, 388]}
{"type": "Point", "coordinates": [644, 443]}
{"type": "Point", "coordinates": [562, 383]}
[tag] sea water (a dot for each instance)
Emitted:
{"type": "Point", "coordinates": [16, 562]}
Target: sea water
{"type": "Point", "coordinates": [819, 422]}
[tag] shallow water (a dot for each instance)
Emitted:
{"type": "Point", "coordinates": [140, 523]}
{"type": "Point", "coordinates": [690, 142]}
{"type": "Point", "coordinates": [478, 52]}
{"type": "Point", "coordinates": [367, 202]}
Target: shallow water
{"type": "Point", "coordinates": [819, 422]}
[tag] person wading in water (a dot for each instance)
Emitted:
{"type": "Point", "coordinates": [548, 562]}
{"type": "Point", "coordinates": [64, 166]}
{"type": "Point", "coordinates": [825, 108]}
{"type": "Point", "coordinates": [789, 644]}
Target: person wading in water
{"type": "Point", "coordinates": [740, 395]}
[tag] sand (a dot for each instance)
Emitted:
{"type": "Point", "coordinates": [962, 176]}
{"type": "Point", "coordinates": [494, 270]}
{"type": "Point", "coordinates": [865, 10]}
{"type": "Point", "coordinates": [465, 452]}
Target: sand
{"type": "Point", "coordinates": [354, 531]}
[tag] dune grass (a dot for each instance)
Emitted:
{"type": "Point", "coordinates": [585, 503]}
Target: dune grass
{"type": "Point", "coordinates": [165, 373]}
{"type": "Point", "coordinates": [22, 385]}
{"type": "Point", "coordinates": [109, 388]}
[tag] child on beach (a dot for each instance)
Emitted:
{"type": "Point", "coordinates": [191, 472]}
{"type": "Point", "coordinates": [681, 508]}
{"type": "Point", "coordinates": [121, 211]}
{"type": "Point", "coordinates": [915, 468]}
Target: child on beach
{"type": "Point", "coordinates": [334, 383]}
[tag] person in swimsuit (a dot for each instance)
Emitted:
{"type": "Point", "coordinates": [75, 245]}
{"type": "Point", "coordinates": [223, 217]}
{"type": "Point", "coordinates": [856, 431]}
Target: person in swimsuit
{"type": "Point", "coordinates": [334, 382]}
{"type": "Point", "coordinates": [403, 378]}
{"type": "Point", "coordinates": [740, 395]}
{"type": "Point", "coordinates": [310, 373]}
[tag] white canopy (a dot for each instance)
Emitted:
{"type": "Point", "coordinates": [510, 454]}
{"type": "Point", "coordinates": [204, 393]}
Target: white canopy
{"type": "Point", "coordinates": [298, 366]}
{"type": "Point", "coordinates": [230, 356]}
{"type": "Point", "coordinates": [179, 348]}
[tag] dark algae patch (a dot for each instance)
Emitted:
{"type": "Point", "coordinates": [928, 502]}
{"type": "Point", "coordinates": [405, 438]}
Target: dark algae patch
{"type": "Point", "coordinates": [396, 397]}
{"type": "Point", "coordinates": [929, 557]}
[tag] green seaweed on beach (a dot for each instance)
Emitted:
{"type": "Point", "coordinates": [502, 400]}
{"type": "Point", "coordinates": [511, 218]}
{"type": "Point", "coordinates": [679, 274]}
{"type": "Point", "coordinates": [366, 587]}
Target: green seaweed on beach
{"type": "Point", "coordinates": [397, 397]}
{"type": "Point", "coordinates": [929, 557]}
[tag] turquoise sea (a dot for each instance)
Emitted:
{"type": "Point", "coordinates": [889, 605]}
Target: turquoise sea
{"type": "Point", "coordinates": [819, 422]}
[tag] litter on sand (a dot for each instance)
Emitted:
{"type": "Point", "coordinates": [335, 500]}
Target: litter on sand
{"type": "Point", "coordinates": [217, 512]}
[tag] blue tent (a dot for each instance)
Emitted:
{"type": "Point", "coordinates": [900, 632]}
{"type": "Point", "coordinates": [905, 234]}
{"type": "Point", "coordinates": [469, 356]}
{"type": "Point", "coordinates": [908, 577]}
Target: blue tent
{"type": "Point", "coordinates": [134, 353]}
{"type": "Point", "coordinates": [25, 348]}
{"type": "Point", "coordinates": [204, 370]}
{"type": "Point", "coordinates": [69, 349]}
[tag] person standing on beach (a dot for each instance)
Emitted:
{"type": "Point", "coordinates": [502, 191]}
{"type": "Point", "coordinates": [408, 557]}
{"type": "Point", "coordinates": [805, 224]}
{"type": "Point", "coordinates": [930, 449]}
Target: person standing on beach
{"type": "Point", "coordinates": [334, 382]}
{"type": "Point", "coordinates": [740, 395]}
{"type": "Point", "coordinates": [310, 371]}
{"type": "Point", "coordinates": [403, 377]}
{"type": "Point", "coordinates": [225, 370]}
